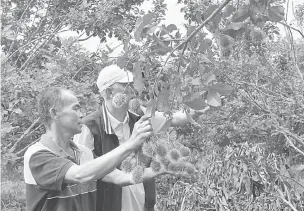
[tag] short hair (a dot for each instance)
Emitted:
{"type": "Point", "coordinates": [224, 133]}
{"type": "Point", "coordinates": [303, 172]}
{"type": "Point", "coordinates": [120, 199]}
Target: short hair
{"type": "Point", "coordinates": [50, 97]}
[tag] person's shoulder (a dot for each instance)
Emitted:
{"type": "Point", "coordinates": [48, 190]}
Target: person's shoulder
{"type": "Point", "coordinates": [35, 148]}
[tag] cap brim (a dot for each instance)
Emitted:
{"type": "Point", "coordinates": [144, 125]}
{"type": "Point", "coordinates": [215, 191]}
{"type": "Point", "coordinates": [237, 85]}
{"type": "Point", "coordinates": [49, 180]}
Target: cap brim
{"type": "Point", "coordinates": [127, 79]}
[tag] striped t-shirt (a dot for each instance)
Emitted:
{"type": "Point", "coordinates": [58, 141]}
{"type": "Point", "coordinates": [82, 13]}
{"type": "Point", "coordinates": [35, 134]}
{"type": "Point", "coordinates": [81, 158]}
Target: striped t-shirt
{"type": "Point", "coordinates": [45, 166]}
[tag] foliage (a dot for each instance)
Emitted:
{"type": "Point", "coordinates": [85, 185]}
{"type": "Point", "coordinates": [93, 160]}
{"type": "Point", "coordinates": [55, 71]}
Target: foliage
{"type": "Point", "coordinates": [248, 148]}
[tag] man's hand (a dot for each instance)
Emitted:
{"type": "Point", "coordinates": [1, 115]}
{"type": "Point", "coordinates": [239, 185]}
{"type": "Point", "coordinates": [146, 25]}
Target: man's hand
{"type": "Point", "coordinates": [142, 130]}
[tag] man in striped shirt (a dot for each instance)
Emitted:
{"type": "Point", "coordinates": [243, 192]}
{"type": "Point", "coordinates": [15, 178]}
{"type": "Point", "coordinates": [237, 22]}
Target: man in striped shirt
{"type": "Point", "coordinates": [61, 175]}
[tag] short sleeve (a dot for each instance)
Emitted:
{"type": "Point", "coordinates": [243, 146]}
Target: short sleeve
{"type": "Point", "coordinates": [49, 170]}
{"type": "Point", "coordinates": [85, 138]}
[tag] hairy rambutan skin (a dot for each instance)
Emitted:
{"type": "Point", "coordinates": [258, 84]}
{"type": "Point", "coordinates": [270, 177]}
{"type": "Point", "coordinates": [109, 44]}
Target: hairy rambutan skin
{"type": "Point", "coordinates": [137, 174]}
{"type": "Point", "coordinates": [143, 159]}
{"type": "Point", "coordinates": [156, 166]}
{"type": "Point", "coordinates": [161, 150]}
{"type": "Point", "coordinates": [174, 154]}
{"type": "Point", "coordinates": [119, 100]}
{"type": "Point", "coordinates": [173, 167]}
{"type": "Point", "coordinates": [189, 168]}
{"type": "Point", "coordinates": [164, 161]}
{"type": "Point", "coordinates": [147, 149]}
{"type": "Point", "coordinates": [126, 166]}
{"type": "Point", "coordinates": [134, 106]}
{"type": "Point", "coordinates": [184, 151]}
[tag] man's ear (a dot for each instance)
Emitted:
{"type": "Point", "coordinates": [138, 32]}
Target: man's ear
{"type": "Point", "coordinates": [53, 114]}
{"type": "Point", "coordinates": [109, 92]}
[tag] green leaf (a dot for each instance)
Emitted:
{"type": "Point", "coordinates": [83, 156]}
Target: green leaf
{"type": "Point", "coordinates": [17, 110]}
{"type": "Point", "coordinates": [276, 13]}
{"type": "Point", "coordinates": [210, 78]}
{"type": "Point", "coordinates": [171, 27]}
{"type": "Point", "coordinates": [151, 108]}
{"type": "Point", "coordinates": [198, 16]}
{"type": "Point", "coordinates": [209, 11]}
{"type": "Point", "coordinates": [229, 9]}
{"type": "Point", "coordinates": [196, 81]}
{"type": "Point", "coordinates": [163, 101]}
{"type": "Point", "coordinates": [204, 58]}
{"type": "Point", "coordinates": [190, 30]}
{"type": "Point", "coordinates": [147, 18]}
{"type": "Point", "coordinates": [194, 64]}
{"type": "Point", "coordinates": [223, 89]}
{"type": "Point", "coordinates": [240, 15]}
{"type": "Point", "coordinates": [122, 61]}
{"type": "Point", "coordinates": [138, 79]}
{"type": "Point", "coordinates": [196, 104]}
{"type": "Point", "coordinates": [203, 46]}
{"type": "Point", "coordinates": [6, 125]}
{"type": "Point", "coordinates": [213, 98]}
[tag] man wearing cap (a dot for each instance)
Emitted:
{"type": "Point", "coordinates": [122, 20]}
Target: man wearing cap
{"type": "Point", "coordinates": [110, 127]}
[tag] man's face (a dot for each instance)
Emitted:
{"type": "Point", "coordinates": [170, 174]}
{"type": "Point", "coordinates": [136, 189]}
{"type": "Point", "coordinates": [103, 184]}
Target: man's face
{"type": "Point", "coordinates": [69, 116]}
{"type": "Point", "coordinates": [126, 88]}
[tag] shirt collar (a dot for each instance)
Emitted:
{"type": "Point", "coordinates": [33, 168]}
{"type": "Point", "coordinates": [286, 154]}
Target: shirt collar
{"type": "Point", "coordinates": [110, 122]}
{"type": "Point", "coordinates": [55, 148]}
{"type": "Point", "coordinates": [114, 122]}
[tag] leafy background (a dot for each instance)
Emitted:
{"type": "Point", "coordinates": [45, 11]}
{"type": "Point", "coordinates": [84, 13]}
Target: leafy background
{"type": "Point", "coordinates": [248, 148]}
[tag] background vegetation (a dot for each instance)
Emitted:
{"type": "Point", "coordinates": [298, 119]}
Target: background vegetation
{"type": "Point", "coordinates": [248, 149]}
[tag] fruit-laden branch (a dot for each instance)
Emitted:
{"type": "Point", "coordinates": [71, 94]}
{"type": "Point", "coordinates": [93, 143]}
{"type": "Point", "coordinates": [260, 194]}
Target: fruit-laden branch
{"type": "Point", "coordinates": [24, 134]}
{"type": "Point", "coordinates": [192, 35]}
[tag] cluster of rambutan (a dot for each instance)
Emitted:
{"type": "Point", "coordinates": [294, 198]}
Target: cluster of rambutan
{"type": "Point", "coordinates": [160, 155]}
{"type": "Point", "coordinates": [169, 156]}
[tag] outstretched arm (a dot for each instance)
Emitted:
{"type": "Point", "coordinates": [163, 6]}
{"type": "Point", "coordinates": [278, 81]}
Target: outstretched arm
{"type": "Point", "coordinates": [122, 178]}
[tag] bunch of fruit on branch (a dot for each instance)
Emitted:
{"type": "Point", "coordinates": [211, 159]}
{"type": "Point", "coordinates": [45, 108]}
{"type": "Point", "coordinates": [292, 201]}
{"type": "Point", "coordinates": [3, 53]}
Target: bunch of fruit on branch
{"type": "Point", "coordinates": [162, 155]}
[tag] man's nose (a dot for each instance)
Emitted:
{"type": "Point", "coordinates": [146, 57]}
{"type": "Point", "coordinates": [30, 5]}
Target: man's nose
{"type": "Point", "coordinates": [80, 114]}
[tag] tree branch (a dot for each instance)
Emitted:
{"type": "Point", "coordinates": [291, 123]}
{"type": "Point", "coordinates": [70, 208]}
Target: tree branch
{"type": "Point", "coordinates": [215, 12]}
{"type": "Point", "coordinates": [284, 24]}
{"type": "Point", "coordinates": [18, 23]}
{"type": "Point", "coordinates": [23, 135]}
{"type": "Point", "coordinates": [25, 148]}
{"type": "Point", "coordinates": [84, 39]}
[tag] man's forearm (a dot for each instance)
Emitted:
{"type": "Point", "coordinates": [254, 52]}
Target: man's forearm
{"type": "Point", "coordinates": [122, 178]}
{"type": "Point", "coordinates": [100, 166]}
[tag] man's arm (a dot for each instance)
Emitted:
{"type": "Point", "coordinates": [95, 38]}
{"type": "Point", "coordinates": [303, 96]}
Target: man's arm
{"type": "Point", "coordinates": [122, 178]}
{"type": "Point", "coordinates": [101, 166]}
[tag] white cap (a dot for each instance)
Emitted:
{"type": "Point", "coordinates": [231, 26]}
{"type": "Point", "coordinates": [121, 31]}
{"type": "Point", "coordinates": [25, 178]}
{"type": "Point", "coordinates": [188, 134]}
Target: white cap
{"type": "Point", "coordinates": [112, 74]}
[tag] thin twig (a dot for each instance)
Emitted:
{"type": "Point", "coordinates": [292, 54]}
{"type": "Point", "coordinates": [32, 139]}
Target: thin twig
{"type": "Point", "coordinates": [19, 23]}
{"type": "Point", "coordinates": [292, 144]}
{"type": "Point", "coordinates": [25, 148]}
{"type": "Point", "coordinates": [284, 200]}
{"type": "Point", "coordinates": [81, 69]}
{"type": "Point", "coordinates": [215, 12]}
{"type": "Point", "coordinates": [292, 180]}
{"type": "Point", "coordinates": [84, 39]}
{"type": "Point", "coordinates": [24, 134]}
